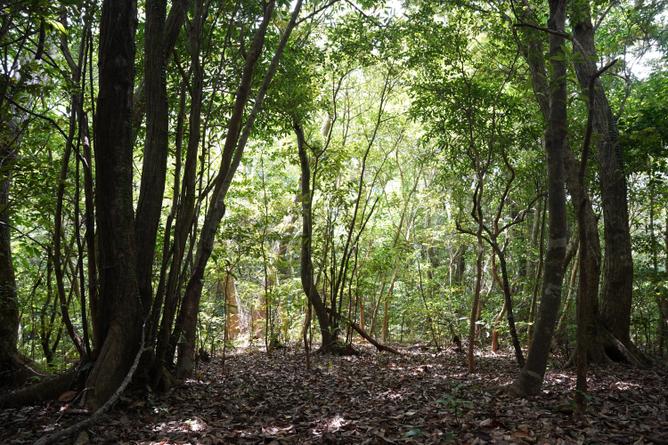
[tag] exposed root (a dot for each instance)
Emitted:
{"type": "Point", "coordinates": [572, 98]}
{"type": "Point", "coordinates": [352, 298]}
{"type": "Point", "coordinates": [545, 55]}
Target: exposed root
{"type": "Point", "coordinates": [48, 389]}
{"type": "Point", "coordinates": [619, 351]}
{"type": "Point", "coordinates": [338, 348]}
{"type": "Point", "coordinates": [70, 431]}
{"type": "Point", "coordinates": [607, 349]}
{"type": "Point", "coordinates": [18, 371]}
{"type": "Point", "coordinates": [381, 347]}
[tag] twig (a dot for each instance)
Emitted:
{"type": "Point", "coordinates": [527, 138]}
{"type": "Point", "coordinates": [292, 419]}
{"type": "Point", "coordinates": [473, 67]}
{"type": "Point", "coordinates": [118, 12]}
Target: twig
{"type": "Point", "coordinates": [37, 115]}
{"type": "Point", "coordinates": [317, 11]}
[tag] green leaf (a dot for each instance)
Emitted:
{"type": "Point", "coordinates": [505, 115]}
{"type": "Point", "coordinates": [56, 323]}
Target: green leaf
{"type": "Point", "coordinates": [55, 24]}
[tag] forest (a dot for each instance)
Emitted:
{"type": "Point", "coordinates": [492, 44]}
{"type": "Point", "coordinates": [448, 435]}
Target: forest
{"type": "Point", "coordinates": [334, 221]}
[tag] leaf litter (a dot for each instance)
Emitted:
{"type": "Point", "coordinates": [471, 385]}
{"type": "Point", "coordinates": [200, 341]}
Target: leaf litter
{"type": "Point", "coordinates": [418, 397]}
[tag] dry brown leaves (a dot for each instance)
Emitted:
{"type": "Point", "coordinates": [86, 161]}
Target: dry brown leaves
{"type": "Point", "coordinates": [419, 397]}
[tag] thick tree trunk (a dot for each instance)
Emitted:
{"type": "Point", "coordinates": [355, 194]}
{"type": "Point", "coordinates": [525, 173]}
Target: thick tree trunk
{"type": "Point", "coordinates": [531, 376]}
{"type": "Point", "coordinates": [308, 284]}
{"type": "Point", "coordinates": [120, 306]}
{"type": "Point", "coordinates": [154, 170]}
{"type": "Point", "coordinates": [9, 311]}
{"type": "Point", "coordinates": [617, 286]}
{"type": "Point", "coordinates": [172, 28]}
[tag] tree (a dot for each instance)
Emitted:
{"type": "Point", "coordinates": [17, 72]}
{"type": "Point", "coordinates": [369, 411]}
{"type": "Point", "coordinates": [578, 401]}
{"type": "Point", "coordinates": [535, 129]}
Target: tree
{"type": "Point", "coordinates": [120, 308]}
{"type": "Point", "coordinates": [531, 376]}
{"type": "Point", "coordinates": [327, 331]}
{"type": "Point", "coordinates": [235, 142]}
{"type": "Point", "coordinates": [617, 261]}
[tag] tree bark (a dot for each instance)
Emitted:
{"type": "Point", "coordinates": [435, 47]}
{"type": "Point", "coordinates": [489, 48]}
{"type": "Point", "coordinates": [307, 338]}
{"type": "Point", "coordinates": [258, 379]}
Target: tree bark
{"type": "Point", "coordinates": [172, 28]}
{"type": "Point", "coordinates": [190, 305]}
{"type": "Point", "coordinates": [578, 192]}
{"type": "Point", "coordinates": [235, 144]}
{"type": "Point", "coordinates": [154, 167]}
{"type": "Point", "coordinates": [663, 306]}
{"type": "Point", "coordinates": [617, 288]}
{"type": "Point", "coordinates": [9, 311]}
{"type": "Point", "coordinates": [186, 210]}
{"type": "Point", "coordinates": [308, 284]}
{"type": "Point", "coordinates": [531, 376]}
{"type": "Point", "coordinates": [120, 305]}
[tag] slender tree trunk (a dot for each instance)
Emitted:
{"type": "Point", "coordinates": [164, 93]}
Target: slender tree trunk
{"type": "Point", "coordinates": [663, 306]}
{"type": "Point", "coordinates": [308, 284]}
{"type": "Point", "coordinates": [508, 303]}
{"type": "Point", "coordinates": [539, 272]}
{"type": "Point", "coordinates": [58, 235]}
{"type": "Point", "coordinates": [579, 194]}
{"type": "Point", "coordinates": [589, 265]}
{"type": "Point", "coordinates": [186, 208]}
{"type": "Point", "coordinates": [235, 143]}
{"type": "Point", "coordinates": [476, 300]}
{"type": "Point", "coordinates": [216, 208]}
{"type": "Point", "coordinates": [502, 312]}
{"type": "Point", "coordinates": [531, 376]}
{"type": "Point", "coordinates": [120, 325]}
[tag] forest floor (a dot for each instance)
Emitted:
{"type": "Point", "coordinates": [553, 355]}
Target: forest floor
{"type": "Point", "coordinates": [418, 397]}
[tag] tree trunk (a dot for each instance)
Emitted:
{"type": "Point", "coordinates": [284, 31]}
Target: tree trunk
{"type": "Point", "coordinates": [531, 376]}
{"type": "Point", "coordinates": [235, 143]}
{"type": "Point", "coordinates": [216, 209]}
{"type": "Point", "coordinates": [9, 311]}
{"type": "Point", "coordinates": [663, 306]}
{"type": "Point", "coordinates": [617, 261]}
{"type": "Point", "coordinates": [579, 196]}
{"type": "Point", "coordinates": [539, 268]}
{"type": "Point", "coordinates": [120, 305]}
{"type": "Point", "coordinates": [308, 284]}
{"type": "Point", "coordinates": [172, 28]}
{"type": "Point", "coordinates": [154, 170]}
{"type": "Point", "coordinates": [475, 304]}
{"type": "Point", "coordinates": [508, 303]}
{"type": "Point", "coordinates": [186, 207]}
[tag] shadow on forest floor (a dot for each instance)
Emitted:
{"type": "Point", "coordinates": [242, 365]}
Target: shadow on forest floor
{"type": "Point", "coordinates": [419, 397]}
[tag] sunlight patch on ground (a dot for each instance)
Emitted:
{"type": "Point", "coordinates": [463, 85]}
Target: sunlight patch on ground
{"type": "Point", "coordinates": [331, 425]}
{"type": "Point", "coordinates": [194, 425]}
{"type": "Point", "coordinates": [275, 431]}
{"type": "Point", "coordinates": [624, 386]}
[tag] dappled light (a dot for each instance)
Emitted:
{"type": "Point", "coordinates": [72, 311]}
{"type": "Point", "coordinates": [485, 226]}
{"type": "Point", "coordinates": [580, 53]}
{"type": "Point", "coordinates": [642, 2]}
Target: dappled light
{"type": "Point", "coordinates": [333, 221]}
{"type": "Point", "coordinates": [419, 397]}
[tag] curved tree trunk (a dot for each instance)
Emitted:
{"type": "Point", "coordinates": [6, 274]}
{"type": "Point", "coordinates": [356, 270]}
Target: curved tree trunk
{"type": "Point", "coordinates": [308, 284]}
